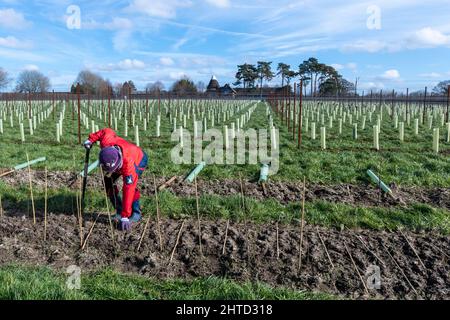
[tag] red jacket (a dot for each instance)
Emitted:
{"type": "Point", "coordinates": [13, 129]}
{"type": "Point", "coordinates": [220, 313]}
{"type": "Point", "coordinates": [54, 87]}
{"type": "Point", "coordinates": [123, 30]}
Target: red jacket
{"type": "Point", "coordinates": [132, 156]}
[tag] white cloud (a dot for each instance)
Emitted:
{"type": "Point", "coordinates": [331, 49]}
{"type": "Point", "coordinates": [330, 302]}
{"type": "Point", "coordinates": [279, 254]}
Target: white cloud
{"type": "Point", "coordinates": [166, 61]}
{"type": "Point", "coordinates": [351, 66]}
{"type": "Point", "coordinates": [175, 75]}
{"type": "Point", "coordinates": [127, 64]}
{"type": "Point", "coordinates": [121, 40]}
{"type": "Point", "coordinates": [12, 42]}
{"type": "Point", "coordinates": [391, 74]}
{"type": "Point", "coordinates": [429, 37]}
{"type": "Point", "coordinates": [372, 85]}
{"type": "Point", "coordinates": [370, 46]}
{"type": "Point", "coordinates": [115, 24]}
{"type": "Point", "coordinates": [9, 18]}
{"type": "Point", "coordinates": [219, 3]}
{"type": "Point", "coordinates": [431, 75]}
{"type": "Point", "coordinates": [158, 8]}
{"type": "Point", "coordinates": [337, 66]}
{"type": "Point", "coordinates": [180, 43]}
{"type": "Point", "coordinates": [31, 67]}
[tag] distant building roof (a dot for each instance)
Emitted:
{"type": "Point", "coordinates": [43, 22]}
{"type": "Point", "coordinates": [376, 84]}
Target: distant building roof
{"type": "Point", "coordinates": [227, 89]}
{"type": "Point", "coordinates": [213, 85]}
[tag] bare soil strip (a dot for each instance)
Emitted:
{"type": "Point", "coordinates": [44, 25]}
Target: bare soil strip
{"type": "Point", "coordinates": [396, 254]}
{"type": "Point", "coordinates": [284, 192]}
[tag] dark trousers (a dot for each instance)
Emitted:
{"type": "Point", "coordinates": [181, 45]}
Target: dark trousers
{"type": "Point", "coordinates": [113, 191]}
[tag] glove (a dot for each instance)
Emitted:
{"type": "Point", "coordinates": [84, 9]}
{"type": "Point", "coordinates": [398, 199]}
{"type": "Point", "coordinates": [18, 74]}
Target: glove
{"type": "Point", "coordinates": [87, 144]}
{"type": "Point", "coordinates": [124, 224]}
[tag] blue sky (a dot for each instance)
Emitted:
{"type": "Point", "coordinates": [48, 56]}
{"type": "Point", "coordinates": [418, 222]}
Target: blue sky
{"type": "Point", "coordinates": [388, 44]}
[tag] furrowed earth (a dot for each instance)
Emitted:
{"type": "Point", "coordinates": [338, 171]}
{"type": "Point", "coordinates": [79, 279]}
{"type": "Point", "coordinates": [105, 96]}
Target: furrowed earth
{"type": "Point", "coordinates": [284, 192]}
{"type": "Point", "coordinates": [412, 265]}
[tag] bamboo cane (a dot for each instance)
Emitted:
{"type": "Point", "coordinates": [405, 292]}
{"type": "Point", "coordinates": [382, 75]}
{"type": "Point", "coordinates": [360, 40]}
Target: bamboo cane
{"type": "Point", "coordinates": [198, 217]}
{"type": "Point", "coordinates": [31, 191]}
{"type": "Point", "coordinates": [326, 250]}
{"type": "Point", "coordinates": [107, 206]}
{"type": "Point", "coordinates": [278, 242]}
{"type": "Point", "coordinates": [225, 238]}
{"type": "Point", "coordinates": [45, 206]}
{"type": "Point", "coordinates": [302, 225]}
{"type": "Point", "coordinates": [356, 268]}
{"type": "Point", "coordinates": [6, 173]}
{"type": "Point", "coordinates": [400, 268]}
{"type": "Point", "coordinates": [157, 215]}
{"type": "Point", "coordinates": [146, 224]}
{"type": "Point", "coordinates": [413, 249]}
{"type": "Point", "coordinates": [80, 216]}
{"type": "Point", "coordinates": [176, 243]}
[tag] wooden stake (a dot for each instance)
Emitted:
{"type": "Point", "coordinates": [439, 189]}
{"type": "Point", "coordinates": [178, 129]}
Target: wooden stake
{"type": "Point", "coordinates": [247, 236]}
{"type": "Point", "coordinates": [242, 194]}
{"type": "Point", "coordinates": [80, 216]}
{"type": "Point", "coordinates": [107, 206]}
{"type": "Point", "coordinates": [302, 225]}
{"type": "Point", "coordinates": [278, 242]}
{"type": "Point", "coordinates": [198, 217]}
{"type": "Point", "coordinates": [176, 243]}
{"type": "Point", "coordinates": [31, 191]}
{"type": "Point", "coordinates": [225, 238]}
{"type": "Point", "coordinates": [356, 268]}
{"type": "Point", "coordinates": [45, 206]}
{"type": "Point", "coordinates": [414, 250]}
{"type": "Point", "coordinates": [1, 206]}
{"type": "Point", "coordinates": [167, 183]}
{"type": "Point", "coordinates": [367, 248]}
{"type": "Point", "coordinates": [90, 232]}
{"type": "Point", "coordinates": [7, 172]}
{"type": "Point", "coordinates": [300, 115]}
{"type": "Point", "coordinates": [157, 215]}
{"type": "Point", "coordinates": [146, 224]}
{"type": "Point", "coordinates": [325, 247]}
{"type": "Point", "coordinates": [401, 270]}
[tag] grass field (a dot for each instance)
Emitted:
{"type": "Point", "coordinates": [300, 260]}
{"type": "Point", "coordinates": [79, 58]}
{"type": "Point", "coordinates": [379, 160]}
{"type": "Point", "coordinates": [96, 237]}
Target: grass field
{"type": "Point", "coordinates": [419, 176]}
{"type": "Point", "coordinates": [31, 283]}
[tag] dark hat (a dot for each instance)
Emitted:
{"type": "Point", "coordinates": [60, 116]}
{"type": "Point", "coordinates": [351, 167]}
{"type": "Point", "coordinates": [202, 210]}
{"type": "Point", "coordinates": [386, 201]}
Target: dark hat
{"type": "Point", "coordinates": [110, 159]}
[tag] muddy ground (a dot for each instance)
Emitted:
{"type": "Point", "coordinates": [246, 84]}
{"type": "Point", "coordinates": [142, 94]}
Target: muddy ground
{"type": "Point", "coordinates": [284, 192]}
{"type": "Point", "coordinates": [250, 254]}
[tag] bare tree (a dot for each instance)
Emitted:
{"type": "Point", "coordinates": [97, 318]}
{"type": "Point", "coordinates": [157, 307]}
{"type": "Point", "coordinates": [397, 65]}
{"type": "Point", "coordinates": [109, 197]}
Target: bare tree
{"type": "Point", "coordinates": [201, 86]}
{"type": "Point", "coordinates": [91, 82]}
{"type": "Point", "coordinates": [4, 79]}
{"type": "Point", "coordinates": [117, 89]}
{"type": "Point", "coordinates": [154, 88]}
{"type": "Point", "coordinates": [32, 81]}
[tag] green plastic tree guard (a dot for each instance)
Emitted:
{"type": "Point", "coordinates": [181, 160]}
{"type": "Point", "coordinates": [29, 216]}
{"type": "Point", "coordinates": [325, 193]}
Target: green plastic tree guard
{"type": "Point", "coordinates": [377, 180]}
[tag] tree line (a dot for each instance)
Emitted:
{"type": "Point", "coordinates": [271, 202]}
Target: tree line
{"type": "Point", "coordinates": [322, 79]}
{"type": "Point", "coordinates": [318, 79]}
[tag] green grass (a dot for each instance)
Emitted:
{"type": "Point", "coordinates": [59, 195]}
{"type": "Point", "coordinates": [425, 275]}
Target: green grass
{"type": "Point", "coordinates": [345, 161]}
{"type": "Point", "coordinates": [42, 283]}
{"type": "Point", "coordinates": [416, 217]}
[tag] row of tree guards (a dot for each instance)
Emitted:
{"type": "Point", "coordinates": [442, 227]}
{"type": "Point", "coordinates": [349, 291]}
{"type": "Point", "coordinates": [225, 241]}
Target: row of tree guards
{"type": "Point", "coordinates": [300, 117]}
{"type": "Point", "coordinates": [198, 115]}
{"type": "Point", "coordinates": [303, 117]}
